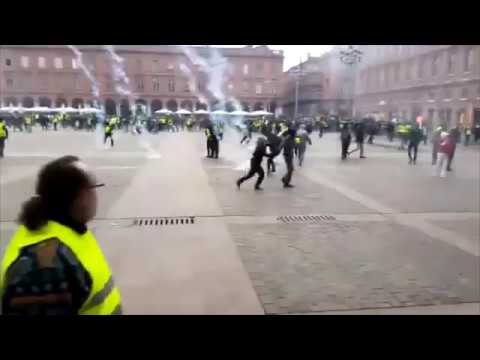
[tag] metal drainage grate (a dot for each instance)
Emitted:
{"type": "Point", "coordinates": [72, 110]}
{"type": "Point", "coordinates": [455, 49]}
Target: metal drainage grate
{"type": "Point", "coordinates": [165, 221]}
{"type": "Point", "coordinates": [305, 219]}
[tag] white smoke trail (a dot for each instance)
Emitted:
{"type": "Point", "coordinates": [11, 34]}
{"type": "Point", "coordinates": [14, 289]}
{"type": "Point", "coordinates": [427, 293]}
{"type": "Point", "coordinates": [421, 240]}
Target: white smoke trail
{"type": "Point", "coordinates": [122, 81]}
{"type": "Point", "coordinates": [191, 83]}
{"type": "Point", "coordinates": [86, 71]}
{"type": "Point", "coordinates": [218, 70]}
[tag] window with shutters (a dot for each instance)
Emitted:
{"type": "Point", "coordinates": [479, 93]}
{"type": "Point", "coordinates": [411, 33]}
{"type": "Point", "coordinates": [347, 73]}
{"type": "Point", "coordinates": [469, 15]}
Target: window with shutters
{"type": "Point", "coordinates": [245, 69]}
{"type": "Point", "coordinates": [25, 61]}
{"type": "Point", "coordinates": [420, 66]}
{"type": "Point", "coordinates": [74, 63]}
{"type": "Point", "coordinates": [468, 63]}
{"type": "Point", "coordinates": [452, 57]}
{"type": "Point", "coordinates": [9, 82]}
{"type": "Point", "coordinates": [155, 66]}
{"type": "Point", "coordinates": [258, 89]}
{"type": "Point", "coordinates": [435, 60]}
{"type": "Point", "coordinates": [43, 81]}
{"type": "Point", "coordinates": [156, 84]}
{"type": "Point", "coordinates": [396, 72]}
{"type": "Point", "coordinates": [245, 86]}
{"type": "Point", "coordinates": [259, 67]}
{"type": "Point", "coordinates": [464, 93]}
{"type": "Point", "coordinates": [41, 62]}
{"type": "Point", "coordinates": [8, 62]}
{"type": "Point", "coordinates": [171, 85]}
{"type": "Point", "coordinates": [58, 63]}
{"type": "Point", "coordinates": [140, 84]}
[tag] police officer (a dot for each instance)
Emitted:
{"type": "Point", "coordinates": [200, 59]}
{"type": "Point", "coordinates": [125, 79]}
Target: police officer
{"type": "Point", "coordinates": [53, 264]}
{"type": "Point", "coordinates": [189, 123]}
{"type": "Point", "coordinates": [108, 133]}
{"type": "Point", "coordinates": [3, 136]}
{"type": "Point", "coordinates": [56, 119]}
{"type": "Point", "coordinates": [210, 134]}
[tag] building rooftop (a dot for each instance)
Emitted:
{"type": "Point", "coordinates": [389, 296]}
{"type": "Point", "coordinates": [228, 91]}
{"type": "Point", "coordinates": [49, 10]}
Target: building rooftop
{"type": "Point", "coordinates": [262, 51]}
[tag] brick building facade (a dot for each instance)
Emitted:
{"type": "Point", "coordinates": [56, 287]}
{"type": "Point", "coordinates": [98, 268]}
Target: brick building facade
{"type": "Point", "coordinates": [439, 82]}
{"type": "Point", "coordinates": [50, 75]}
{"type": "Point", "coordinates": [325, 87]}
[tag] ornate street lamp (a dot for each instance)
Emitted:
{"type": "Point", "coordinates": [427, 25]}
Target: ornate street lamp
{"type": "Point", "coordinates": [351, 56]}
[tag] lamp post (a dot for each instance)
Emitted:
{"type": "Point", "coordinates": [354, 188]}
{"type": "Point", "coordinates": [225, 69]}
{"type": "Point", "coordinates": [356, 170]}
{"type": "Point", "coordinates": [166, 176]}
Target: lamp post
{"type": "Point", "coordinates": [351, 57]}
{"type": "Point", "coordinates": [298, 72]}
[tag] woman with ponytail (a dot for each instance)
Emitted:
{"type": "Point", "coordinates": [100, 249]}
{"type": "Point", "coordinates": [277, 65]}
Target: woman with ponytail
{"type": "Point", "coordinates": [53, 264]}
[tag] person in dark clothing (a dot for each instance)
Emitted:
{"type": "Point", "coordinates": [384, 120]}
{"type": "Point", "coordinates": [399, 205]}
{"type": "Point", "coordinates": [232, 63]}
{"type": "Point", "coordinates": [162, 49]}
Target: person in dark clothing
{"type": "Point", "coordinates": [359, 138]}
{"type": "Point", "coordinates": [288, 153]}
{"type": "Point", "coordinates": [455, 137]}
{"type": "Point", "coordinates": [210, 134]}
{"type": "Point", "coordinates": [476, 133]}
{"type": "Point", "coordinates": [415, 137]}
{"type": "Point", "coordinates": [247, 136]}
{"type": "Point", "coordinates": [346, 139]}
{"type": "Point", "coordinates": [215, 147]}
{"type": "Point", "coordinates": [371, 130]}
{"type": "Point", "coordinates": [274, 142]}
{"type": "Point", "coordinates": [256, 164]}
{"type": "Point", "coordinates": [390, 130]}
{"type": "Point", "coordinates": [212, 142]}
{"type": "Point", "coordinates": [321, 128]}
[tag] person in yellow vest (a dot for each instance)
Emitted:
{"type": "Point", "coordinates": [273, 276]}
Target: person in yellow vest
{"type": "Point", "coordinates": [402, 131]}
{"type": "Point", "coordinates": [189, 123]}
{"type": "Point", "coordinates": [3, 136]}
{"type": "Point", "coordinates": [56, 120]}
{"type": "Point", "coordinates": [53, 265]}
{"type": "Point", "coordinates": [468, 133]}
{"type": "Point", "coordinates": [28, 123]}
{"type": "Point", "coordinates": [108, 132]}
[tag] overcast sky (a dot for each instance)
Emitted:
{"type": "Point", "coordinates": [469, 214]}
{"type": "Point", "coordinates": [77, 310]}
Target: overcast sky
{"type": "Point", "coordinates": [293, 53]}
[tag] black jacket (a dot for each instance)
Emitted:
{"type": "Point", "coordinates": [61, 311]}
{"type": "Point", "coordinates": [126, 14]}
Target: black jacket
{"type": "Point", "coordinates": [258, 154]}
{"type": "Point", "coordinates": [360, 133]}
{"type": "Point", "coordinates": [289, 147]}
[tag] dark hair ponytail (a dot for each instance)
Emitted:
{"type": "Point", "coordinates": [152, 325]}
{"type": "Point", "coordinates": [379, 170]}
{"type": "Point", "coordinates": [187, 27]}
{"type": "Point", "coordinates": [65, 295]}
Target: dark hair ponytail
{"type": "Point", "coordinates": [33, 214]}
{"type": "Point", "coordinates": [57, 186]}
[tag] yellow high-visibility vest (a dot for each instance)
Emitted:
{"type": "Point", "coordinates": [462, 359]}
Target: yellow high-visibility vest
{"type": "Point", "coordinates": [104, 297]}
{"type": "Point", "coordinates": [3, 133]}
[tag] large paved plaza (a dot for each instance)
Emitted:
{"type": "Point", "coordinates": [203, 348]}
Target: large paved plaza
{"type": "Point", "coordinates": [375, 233]}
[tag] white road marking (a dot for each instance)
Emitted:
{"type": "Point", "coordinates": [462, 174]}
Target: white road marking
{"type": "Point", "coordinates": [449, 237]}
